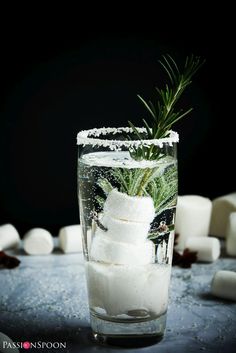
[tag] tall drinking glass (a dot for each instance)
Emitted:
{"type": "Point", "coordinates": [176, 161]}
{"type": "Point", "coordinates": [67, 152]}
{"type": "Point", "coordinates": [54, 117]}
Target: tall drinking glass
{"type": "Point", "coordinates": [127, 200]}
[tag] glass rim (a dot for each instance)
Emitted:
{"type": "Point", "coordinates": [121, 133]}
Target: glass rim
{"type": "Point", "coordinates": [91, 137]}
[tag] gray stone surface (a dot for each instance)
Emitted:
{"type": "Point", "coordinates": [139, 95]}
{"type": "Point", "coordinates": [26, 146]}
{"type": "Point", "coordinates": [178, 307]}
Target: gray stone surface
{"type": "Point", "coordinates": [45, 299]}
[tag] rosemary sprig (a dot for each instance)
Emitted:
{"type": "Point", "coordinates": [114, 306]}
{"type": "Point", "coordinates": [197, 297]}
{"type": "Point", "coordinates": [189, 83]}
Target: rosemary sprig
{"type": "Point", "coordinates": [163, 114]}
{"type": "Point", "coordinates": [160, 183]}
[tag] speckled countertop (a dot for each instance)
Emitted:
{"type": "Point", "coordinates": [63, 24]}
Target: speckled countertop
{"type": "Point", "coordinates": [45, 299]}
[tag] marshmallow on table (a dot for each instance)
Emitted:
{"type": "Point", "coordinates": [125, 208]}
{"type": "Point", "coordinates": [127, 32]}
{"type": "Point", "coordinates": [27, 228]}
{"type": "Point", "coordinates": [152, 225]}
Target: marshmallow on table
{"type": "Point", "coordinates": [106, 250]}
{"type": "Point", "coordinates": [208, 248]}
{"type": "Point", "coordinates": [231, 246]}
{"type": "Point", "coordinates": [231, 235]}
{"type": "Point", "coordinates": [125, 231]}
{"type": "Point", "coordinates": [9, 237]}
{"type": "Point", "coordinates": [38, 241]}
{"type": "Point", "coordinates": [129, 208]}
{"type": "Point", "coordinates": [192, 218]}
{"type": "Point", "coordinates": [122, 289]}
{"type": "Point", "coordinates": [224, 285]}
{"type": "Point", "coordinates": [70, 239]}
{"type": "Point", "coordinates": [221, 209]}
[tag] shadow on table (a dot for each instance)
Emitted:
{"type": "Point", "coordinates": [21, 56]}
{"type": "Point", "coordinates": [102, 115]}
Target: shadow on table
{"type": "Point", "coordinates": [79, 339]}
{"type": "Point", "coordinates": [211, 298]}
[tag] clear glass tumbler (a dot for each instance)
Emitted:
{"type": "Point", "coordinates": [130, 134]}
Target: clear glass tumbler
{"type": "Point", "coordinates": [127, 200]}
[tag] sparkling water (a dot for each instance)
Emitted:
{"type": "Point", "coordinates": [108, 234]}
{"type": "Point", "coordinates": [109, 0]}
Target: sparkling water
{"type": "Point", "coordinates": [127, 278]}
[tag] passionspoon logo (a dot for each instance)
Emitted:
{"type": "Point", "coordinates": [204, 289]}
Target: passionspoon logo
{"type": "Point", "coordinates": [8, 346]}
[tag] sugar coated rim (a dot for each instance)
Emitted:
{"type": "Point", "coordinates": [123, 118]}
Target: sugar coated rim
{"type": "Point", "coordinates": [91, 137]}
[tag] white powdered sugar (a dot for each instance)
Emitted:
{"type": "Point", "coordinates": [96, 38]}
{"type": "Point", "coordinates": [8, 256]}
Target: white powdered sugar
{"type": "Point", "coordinates": [91, 137]}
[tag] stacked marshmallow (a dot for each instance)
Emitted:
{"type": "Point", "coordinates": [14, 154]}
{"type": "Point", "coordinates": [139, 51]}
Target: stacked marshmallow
{"type": "Point", "coordinates": [193, 214]}
{"type": "Point", "coordinates": [124, 279]}
{"type": "Point", "coordinates": [193, 217]}
{"type": "Point", "coordinates": [127, 219]}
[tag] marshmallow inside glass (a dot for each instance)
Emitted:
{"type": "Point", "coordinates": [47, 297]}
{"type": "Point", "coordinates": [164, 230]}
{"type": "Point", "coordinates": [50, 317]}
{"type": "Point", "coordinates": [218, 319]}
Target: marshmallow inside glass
{"type": "Point", "coordinates": [127, 200]}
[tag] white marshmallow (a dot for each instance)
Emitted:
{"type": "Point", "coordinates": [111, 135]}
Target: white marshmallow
{"type": "Point", "coordinates": [109, 251]}
{"type": "Point", "coordinates": [231, 235]}
{"type": "Point", "coordinates": [129, 208]}
{"type": "Point", "coordinates": [123, 288]}
{"type": "Point", "coordinates": [70, 239]}
{"type": "Point", "coordinates": [208, 248]}
{"type": "Point", "coordinates": [125, 231]}
{"type": "Point", "coordinates": [224, 285]}
{"type": "Point", "coordinates": [9, 237]}
{"type": "Point", "coordinates": [192, 218]}
{"type": "Point", "coordinates": [231, 246]}
{"type": "Point", "coordinates": [38, 241]}
{"type": "Point", "coordinates": [221, 209]}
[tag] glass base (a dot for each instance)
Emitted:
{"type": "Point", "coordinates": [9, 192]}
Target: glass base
{"type": "Point", "coordinates": [128, 334]}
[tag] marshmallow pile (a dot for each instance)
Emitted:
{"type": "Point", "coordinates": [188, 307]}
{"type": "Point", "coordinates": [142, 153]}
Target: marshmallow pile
{"type": "Point", "coordinates": [196, 218]}
{"type": "Point", "coordinates": [193, 214]}
{"type": "Point", "coordinates": [39, 241]}
{"type": "Point", "coordinates": [122, 276]}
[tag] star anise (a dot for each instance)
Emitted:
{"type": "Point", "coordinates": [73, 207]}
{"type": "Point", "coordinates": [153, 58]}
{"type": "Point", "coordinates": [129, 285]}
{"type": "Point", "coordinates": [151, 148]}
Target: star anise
{"type": "Point", "coordinates": [186, 259]}
{"type": "Point", "coordinates": [8, 261]}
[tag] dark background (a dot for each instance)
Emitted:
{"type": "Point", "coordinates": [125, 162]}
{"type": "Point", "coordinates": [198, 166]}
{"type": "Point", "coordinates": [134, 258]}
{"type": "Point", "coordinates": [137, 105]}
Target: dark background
{"type": "Point", "coordinates": [59, 79]}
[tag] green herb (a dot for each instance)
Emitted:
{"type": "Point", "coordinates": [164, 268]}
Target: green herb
{"type": "Point", "coordinates": [164, 189]}
{"type": "Point", "coordinates": [159, 182]}
{"type": "Point", "coordinates": [162, 112]}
